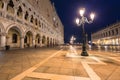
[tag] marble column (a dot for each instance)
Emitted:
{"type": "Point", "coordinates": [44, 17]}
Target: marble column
{"type": "Point", "coordinates": [21, 42]}
{"type": "Point", "coordinates": [33, 41]}
{"type": "Point", "coordinates": [3, 41]}
{"type": "Point", "coordinates": [40, 41]}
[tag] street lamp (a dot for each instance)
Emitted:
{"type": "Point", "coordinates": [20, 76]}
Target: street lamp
{"type": "Point", "coordinates": [82, 21]}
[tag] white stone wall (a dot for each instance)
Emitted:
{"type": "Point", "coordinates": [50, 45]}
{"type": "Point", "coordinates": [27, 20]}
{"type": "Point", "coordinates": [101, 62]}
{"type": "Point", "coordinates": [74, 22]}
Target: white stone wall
{"type": "Point", "coordinates": [108, 37]}
{"type": "Point", "coordinates": [30, 16]}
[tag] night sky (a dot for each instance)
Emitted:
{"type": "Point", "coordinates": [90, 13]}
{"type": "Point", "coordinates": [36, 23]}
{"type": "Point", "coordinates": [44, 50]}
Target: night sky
{"type": "Point", "coordinates": [107, 12]}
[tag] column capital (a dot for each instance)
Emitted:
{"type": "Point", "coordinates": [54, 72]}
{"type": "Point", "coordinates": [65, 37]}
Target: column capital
{"type": "Point", "coordinates": [22, 37]}
{"type": "Point", "coordinates": [6, 1]}
{"type": "Point", "coordinates": [3, 34]}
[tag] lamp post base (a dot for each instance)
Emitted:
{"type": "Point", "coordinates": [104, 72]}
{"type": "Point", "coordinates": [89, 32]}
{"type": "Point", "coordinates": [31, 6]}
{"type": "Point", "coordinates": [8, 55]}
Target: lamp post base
{"type": "Point", "coordinates": [84, 53]}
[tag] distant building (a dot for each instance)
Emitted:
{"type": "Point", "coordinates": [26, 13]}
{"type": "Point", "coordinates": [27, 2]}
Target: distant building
{"type": "Point", "coordinates": [108, 38]}
{"type": "Point", "coordinates": [29, 23]}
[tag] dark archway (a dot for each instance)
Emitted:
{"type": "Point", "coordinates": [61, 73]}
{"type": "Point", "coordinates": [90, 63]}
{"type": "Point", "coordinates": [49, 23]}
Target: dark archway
{"type": "Point", "coordinates": [13, 37]}
{"type": "Point", "coordinates": [44, 40]}
{"type": "Point", "coordinates": [37, 40]}
{"type": "Point", "coordinates": [28, 40]}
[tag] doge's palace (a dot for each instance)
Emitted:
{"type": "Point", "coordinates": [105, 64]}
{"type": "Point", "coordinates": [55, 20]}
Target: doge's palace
{"type": "Point", "coordinates": [29, 23]}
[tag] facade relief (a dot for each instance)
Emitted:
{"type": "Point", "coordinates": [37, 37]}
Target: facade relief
{"type": "Point", "coordinates": [23, 25]}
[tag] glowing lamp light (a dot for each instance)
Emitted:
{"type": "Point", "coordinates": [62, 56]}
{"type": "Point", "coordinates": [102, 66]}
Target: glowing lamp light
{"type": "Point", "coordinates": [77, 20]}
{"type": "Point", "coordinates": [82, 11]}
{"type": "Point", "coordinates": [92, 15]}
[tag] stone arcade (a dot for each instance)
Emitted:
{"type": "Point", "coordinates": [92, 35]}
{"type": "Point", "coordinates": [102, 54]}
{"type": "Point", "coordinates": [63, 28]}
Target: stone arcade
{"type": "Point", "coordinates": [26, 23]}
{"type": "Point", "coordinates": [108, 38]}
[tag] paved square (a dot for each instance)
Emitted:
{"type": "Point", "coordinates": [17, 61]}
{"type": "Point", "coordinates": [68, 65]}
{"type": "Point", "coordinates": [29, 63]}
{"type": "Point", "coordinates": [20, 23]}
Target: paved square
{"type": "Point", "coordinates": [52, 64]}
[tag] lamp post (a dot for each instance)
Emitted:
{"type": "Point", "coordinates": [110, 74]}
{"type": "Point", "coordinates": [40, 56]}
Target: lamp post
{"type": "Point", "coordinates": [82, 21]}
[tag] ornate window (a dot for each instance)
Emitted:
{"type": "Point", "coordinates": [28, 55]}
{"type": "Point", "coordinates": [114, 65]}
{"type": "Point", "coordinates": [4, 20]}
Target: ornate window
{"type": "Point", "coordinates": [19, 12]}
{"type": "Point", "coordinates": [26, 15]}
{"type": "Point", "coordinates": [39, 24]}
{"type": "Point", "coordinates": [14, 38]}
{"type": "Point", "coordinates": [29, 9]}
{"type": "Point", "coordinates": [35, 21]}
{"type": "Point", "coordinates": [10, 7]}
{"type": "Point", "coordinates": [31, 19]}
{"type": "Point", "coordinates": [24, 4]}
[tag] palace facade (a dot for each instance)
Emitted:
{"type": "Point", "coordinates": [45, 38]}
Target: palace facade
{"type": "Point", "coordinates": [108, 38]}
{"type": "Point", "coordinates": [29, 23]}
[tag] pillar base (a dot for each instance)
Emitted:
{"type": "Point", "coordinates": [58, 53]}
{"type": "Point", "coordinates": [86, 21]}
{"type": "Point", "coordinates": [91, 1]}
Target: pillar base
{"type": "Point", "coordinates": [84, 53]}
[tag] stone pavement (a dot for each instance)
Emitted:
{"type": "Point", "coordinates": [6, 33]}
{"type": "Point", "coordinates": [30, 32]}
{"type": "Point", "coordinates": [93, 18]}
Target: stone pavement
{"type": "Point", "coordinates": [52, 64]}
{"type": "Point", "coordinates": [13, 62]}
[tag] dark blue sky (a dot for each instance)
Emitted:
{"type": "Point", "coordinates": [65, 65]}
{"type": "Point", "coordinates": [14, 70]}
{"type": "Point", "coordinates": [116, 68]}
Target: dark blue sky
{"type": "Point", "coordinates": [107, 12]}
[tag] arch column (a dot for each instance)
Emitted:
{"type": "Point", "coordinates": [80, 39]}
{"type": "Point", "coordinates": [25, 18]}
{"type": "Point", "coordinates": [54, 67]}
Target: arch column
{"type": "Point", "coordinates": [3, 40]}
{"type": "Point", "coordinates": [21, 42]}
{"type": "Point", "coordinates": [33, 42]}
{"type": "Point", "coordinates": [119, 43]}
{"type": "Point", "coordinates": [5, 8]}
{"type": "Point", "coordinates": [41, 41]}
{"type": "Point", "coordinates": [23, 15]}
{"type": "Point", "coordinates": [7, 40]}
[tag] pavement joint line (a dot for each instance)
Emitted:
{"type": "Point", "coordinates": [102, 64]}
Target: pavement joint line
{"type": "Point", "coordinates": [100, 62]}
{"type": "Point", "coordinates": [114, 59]}
{"type": "Point", "coordinates": [23, 74]}
{"type": "Point", "coordinates": [55, 76]}
{"type": "Point", "coordinates": [90, 71]}
{"type": "Point", "coordinates": [110, 58]}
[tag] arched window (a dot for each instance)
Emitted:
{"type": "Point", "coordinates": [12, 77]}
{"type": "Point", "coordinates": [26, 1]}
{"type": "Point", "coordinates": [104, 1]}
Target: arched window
{"type": "Point", "coordinates": [31, 19]}
{"type": "Point", "coordinates": [24, 4]}
{"type": "Point", "coordinates": [35, 21]}
{"type": "Point", "coordinates": [19, 12]}
{"type": "Point", "coordinates": [14, 38]}
{"type": "Point", "coordinates": [10, 6]}
{"type": "Point", "coordinates": [26, 15]}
